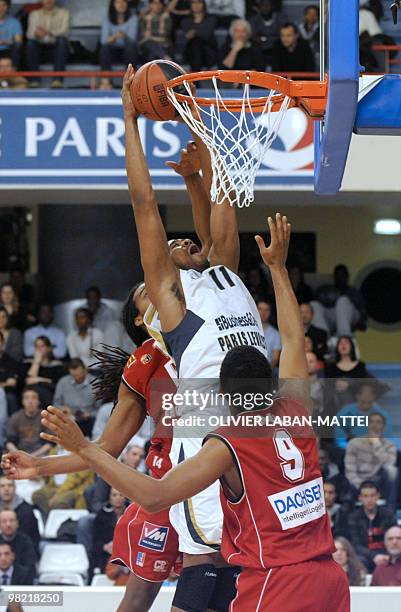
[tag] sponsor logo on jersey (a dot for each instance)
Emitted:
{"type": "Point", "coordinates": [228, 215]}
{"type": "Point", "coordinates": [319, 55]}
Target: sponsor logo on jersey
{"type": "Point", "coordinates": [153, 536]}
{"type": "Point", "coordinates": [159, 565]}
{"type": "Point", "coordinates": [131, 361]}
{"type": "Point", "coordinates": [299, 505]}
{"type": "Point", "coordinates": [146, 358]}
{"type": "Point", "coordinates": [140, 559]}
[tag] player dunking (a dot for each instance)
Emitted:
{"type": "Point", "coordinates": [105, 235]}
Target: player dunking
{"type": "Point", "coordinates": [275, 522]}
{"type": "Point", "coordinates": [202, 312]}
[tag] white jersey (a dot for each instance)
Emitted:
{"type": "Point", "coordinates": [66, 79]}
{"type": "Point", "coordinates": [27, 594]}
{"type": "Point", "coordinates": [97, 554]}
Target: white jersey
{"type": "Point", "coordinates": [221, 314]}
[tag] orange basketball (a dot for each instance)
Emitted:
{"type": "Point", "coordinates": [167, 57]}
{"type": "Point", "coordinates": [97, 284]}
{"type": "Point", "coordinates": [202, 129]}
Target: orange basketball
{"type": "Point", "coordinates": [149, 92]}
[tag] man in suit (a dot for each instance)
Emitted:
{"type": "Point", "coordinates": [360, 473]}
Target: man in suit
{"type": "Point", "coordinates": [317, 335]}
{"type": "Point", "coordinates": [12, 573]}
{"type": "Point", "coordinates": [20, 543]}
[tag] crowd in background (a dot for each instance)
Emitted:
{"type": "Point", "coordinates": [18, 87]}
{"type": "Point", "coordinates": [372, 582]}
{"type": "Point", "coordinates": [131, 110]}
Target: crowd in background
{"type": "Point", "coordinates": [40, 364]}
{"type": "Point", "coordinates": [200, 34]}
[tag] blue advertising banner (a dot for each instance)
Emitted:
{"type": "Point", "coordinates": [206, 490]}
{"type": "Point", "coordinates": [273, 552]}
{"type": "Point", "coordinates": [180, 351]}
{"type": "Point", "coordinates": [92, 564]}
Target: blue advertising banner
{"type": "Point", "coordinates": [76, 139]}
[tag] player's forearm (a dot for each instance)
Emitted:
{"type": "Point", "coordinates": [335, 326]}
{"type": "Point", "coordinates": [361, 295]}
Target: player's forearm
{"type": "Point", "coordinates": [142, 489]}
{"type": "Point", "coordinates": [67, 464]}
{"type": "Point", "coordinates": [139, 182]}
{"type": "Point", "coordinates": [224, 235]}
{"type": "Point", "coordinates": [288, 314]}
{"type": "Point", "coordinates": [200, 209]}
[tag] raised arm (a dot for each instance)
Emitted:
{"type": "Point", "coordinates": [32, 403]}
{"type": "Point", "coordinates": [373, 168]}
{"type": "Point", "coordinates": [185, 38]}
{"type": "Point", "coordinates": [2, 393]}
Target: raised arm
{"type": "Point", "coordinates": [124, 422]}
{"type": "Point", "coordinates": [184, 481]}
{"type": "Point", "coordinates": [189, 168]}
{"type": "Point", "coordinates": [161, 276]}
{"type": "Point", "coordinates": [293, 363]}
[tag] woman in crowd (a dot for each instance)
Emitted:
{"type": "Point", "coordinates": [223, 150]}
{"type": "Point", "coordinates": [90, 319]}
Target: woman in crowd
{"type": "Point", "coordinates": [201, 45]}
{"type": "Point", "coordinates": [12, 337]}
{"type": "Point", "coordinates": [18, 316]}
{"type": "Point", "coordinates": [239, 52]}
{"type": "Point", "coordinates": [118, 38]}
{"type": "Point", "coordinates": [309, 28]}
{"type": "Point", "coordinates": [43, 371]}
{"type": "Point", "coordinates": [155, 27]}
{"type": "Point", "coordinates": [346, 368]}
{"type": "Point", "coordinates": [346, 558]}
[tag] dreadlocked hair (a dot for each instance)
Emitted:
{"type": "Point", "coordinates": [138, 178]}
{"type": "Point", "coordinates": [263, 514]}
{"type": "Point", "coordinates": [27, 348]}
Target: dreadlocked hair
{"type": "Point", "coordinates": [109, 368]}
{"type": "Point", "coordinates": [128, 314]}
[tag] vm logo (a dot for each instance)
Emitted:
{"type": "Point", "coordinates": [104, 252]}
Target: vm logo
{"type": "Point", "coordinates": [153, 537]}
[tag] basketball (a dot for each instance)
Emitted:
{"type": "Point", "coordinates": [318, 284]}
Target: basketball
{"type": "Point", "coordinates": [149, 92]}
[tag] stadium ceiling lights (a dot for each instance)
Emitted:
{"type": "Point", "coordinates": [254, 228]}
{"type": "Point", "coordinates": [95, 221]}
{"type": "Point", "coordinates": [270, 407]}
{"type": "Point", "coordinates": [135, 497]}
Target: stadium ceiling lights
{"type": "Point", "coordinates": [387, 227]}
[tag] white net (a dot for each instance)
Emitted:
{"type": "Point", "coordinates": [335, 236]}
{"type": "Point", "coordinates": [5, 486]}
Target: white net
{"type": "Point", "coordinates": [237, 141]}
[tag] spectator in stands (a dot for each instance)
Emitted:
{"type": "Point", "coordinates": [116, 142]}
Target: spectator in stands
{"type": "Point", "coordinates": [272, 337]}
{"type": "Point", "coordinates": [201, 45]}
{"type": "Point", "coordinates": [118, 46]}
{"type": "Point", "coordinates": [9, 500]}
{"type": "Point", "coordinates": [303, 292]}
{"type": "Point", "coordinates": [338, 516]}
{"type": "Point", "coordinates": [388, 571]}
{"type": "Point", "coordinates": [345, 494]}
{"type": "Point", "coordinates": [47, 39]}
{"type": "Point", "coordinates": [102, 416]}
{"type": "Point", "coordinates": [346, 558]}
{"type": "Point", "coordinates": [10, 35]}
{"type": "Point", "coordinates": [43, 371]}
{"type": "Point", "coordinates": [103, 528]}
{"type": "Point", "coordinates": [102, 315]}
{"type": "Point", "coordinates": [292, 53]}
{"type": "Point", "coordinates": [155, 28]}
{"type": "Point", "coordinates": [346, 368]}
{"type": "Point", "coordinates": [339, 308]}
{"type": "Point", "coordinates": [309, 28]}
{"type": "Point", "coordinates": [6, 81]}
{"type": "Point", "coordinates": [12, 336]}
{"type": "Point", "coordinates": [62, 490]}
{"type": "Point", "coordinates": [46, 328]}
{"type": "Point", "coordinates": [374, 458]}
{"type": "Point", "coordinates": [226, 11]}
{"type": "Point", "coordinates": [315, 383]}
{"type": "Point", "coordinates": [368, 525]}
{"type": "Point", "coordinates": [21, 544]}
{"type": "Point", "coordinates": [318, 336]}
{"type": "Point", "coordinates": [8, 376]}
{"type": "Point", "coordinates": [19, 315]}
{"type": "Point", "coordinates": [240, 52]}
{"type": "Point", "coordinates": [266, 25]}
{"type": "Point", "coordinates": [12, 573]}
{"type": "Point", "coordinates": [74, 391]}
{"type": "Point", "coordinates": [365, 405]}
{"type": "Point", "coordinates": [24, 426]}
{"type": "Point", "coordinates": [82, 341]}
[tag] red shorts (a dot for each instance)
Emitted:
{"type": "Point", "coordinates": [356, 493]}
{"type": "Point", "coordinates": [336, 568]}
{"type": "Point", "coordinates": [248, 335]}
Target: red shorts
{"type": "Point", "coordinates": [319, 585]}
{"type": "Point", "coordinates": [146, 543]}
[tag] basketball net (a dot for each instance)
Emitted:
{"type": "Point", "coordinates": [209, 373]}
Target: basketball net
{"type": "Point", "coordinates": [237, 142]}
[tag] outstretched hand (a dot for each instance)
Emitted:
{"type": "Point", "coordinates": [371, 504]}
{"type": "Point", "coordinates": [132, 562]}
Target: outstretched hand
{"type": "Point", "coordinates": [189, 163]}
{"type": "Point", "coordinates": [65, 431]}
{"type": "Point", "coordinates": [128, 105]}
{"type": "Point", "coordinates": [275, 255]}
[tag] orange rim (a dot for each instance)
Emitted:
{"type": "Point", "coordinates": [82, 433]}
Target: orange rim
{"type": "Point", "coordinates": [311, 96]}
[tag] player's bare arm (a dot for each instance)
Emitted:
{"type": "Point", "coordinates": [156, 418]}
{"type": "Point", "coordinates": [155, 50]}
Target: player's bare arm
{"type": "Point", "coordinates": [184, 481]}
{"type": "Point", "coordinates": [293, 363]}
{"type": "Point", "coordinates": [189, 167]}
{"type": "Point", "coordinates": [161, 275]}
{"type": "Point", "coordinates": [124, 422]}
{"type": "Point", "coordinates": [225, 239]}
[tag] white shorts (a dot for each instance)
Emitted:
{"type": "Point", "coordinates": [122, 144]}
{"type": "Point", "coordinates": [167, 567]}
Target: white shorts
{"type": "Point", "coordinates": [198, 520]}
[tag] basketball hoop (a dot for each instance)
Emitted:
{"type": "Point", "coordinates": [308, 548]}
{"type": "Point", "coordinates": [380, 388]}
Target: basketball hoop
{"type": "Point", "coordinates": [239, 131]}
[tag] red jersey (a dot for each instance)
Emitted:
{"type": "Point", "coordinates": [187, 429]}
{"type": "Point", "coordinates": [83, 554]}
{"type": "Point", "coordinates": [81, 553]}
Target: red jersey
{"type": "Point", "coordinates": [149, 372]}
{"type": "Point", "coordinates": [281, 518]}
